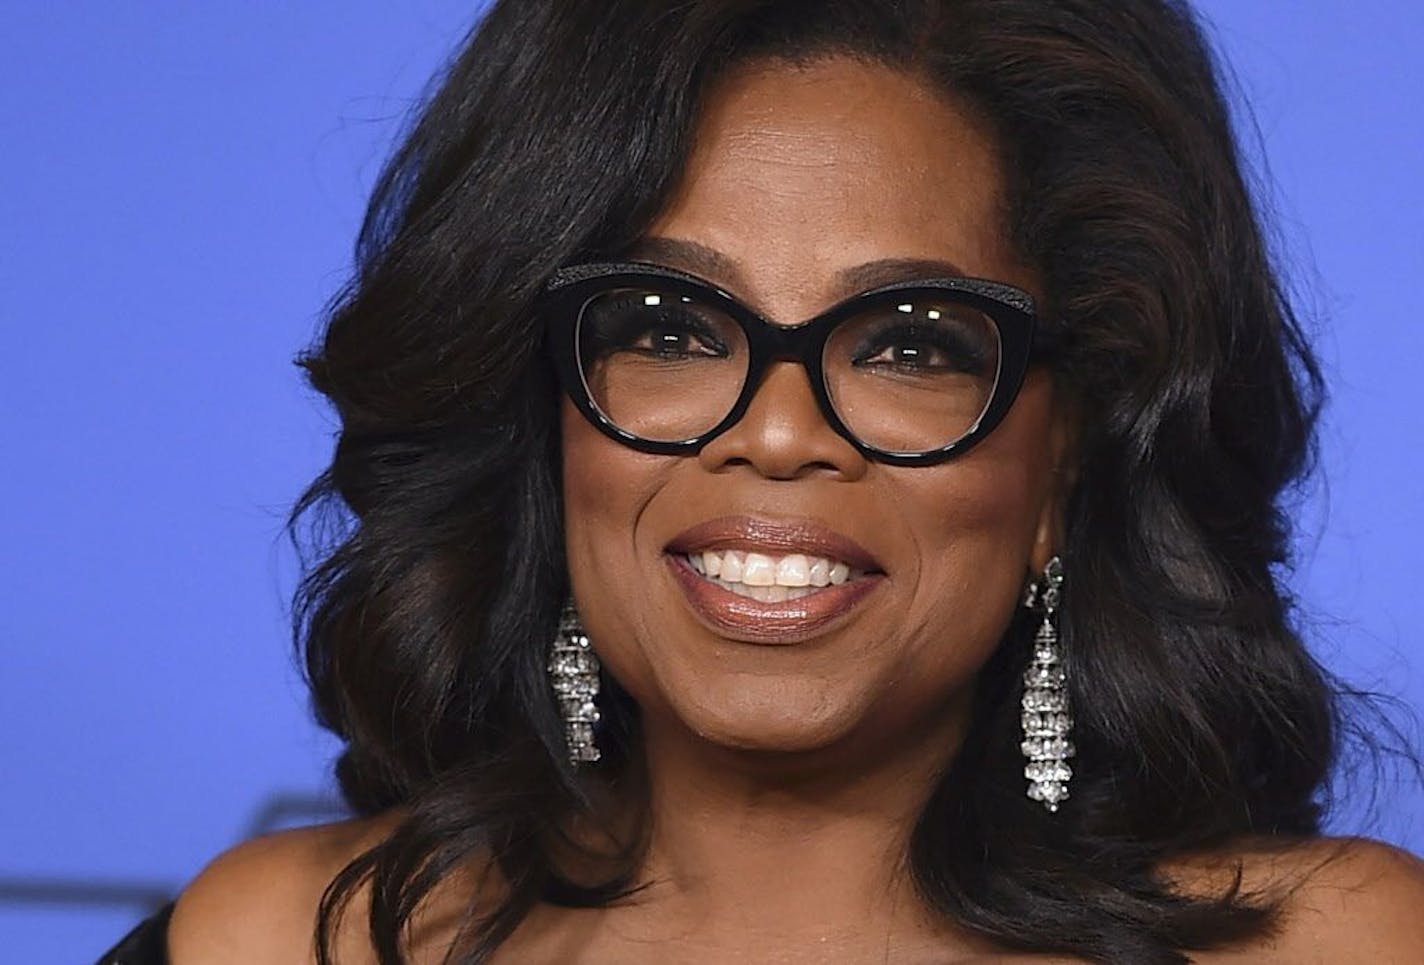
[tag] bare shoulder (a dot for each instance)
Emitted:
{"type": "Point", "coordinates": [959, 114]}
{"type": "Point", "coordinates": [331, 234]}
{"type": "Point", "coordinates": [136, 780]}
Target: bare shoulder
{"type": "Point", "coordinates": [1359, 898]}
{"type": "Point", "coordinates": [1343, 900]}
{"type": "Point", "coordinates": [258, 901]}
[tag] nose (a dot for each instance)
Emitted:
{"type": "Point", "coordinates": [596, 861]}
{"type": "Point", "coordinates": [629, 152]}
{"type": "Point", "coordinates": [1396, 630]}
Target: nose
{"type": "Point", "coordinates": [783, 434]}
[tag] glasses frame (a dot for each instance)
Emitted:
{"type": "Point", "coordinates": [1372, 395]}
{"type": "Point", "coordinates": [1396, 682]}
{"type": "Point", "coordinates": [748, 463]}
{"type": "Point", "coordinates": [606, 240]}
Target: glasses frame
{"type": "Point", "coordinates": [1022, 339]}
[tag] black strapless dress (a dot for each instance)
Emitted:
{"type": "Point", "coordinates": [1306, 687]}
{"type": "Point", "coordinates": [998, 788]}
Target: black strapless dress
{"type": "Point", "coordinates": [147, 944]}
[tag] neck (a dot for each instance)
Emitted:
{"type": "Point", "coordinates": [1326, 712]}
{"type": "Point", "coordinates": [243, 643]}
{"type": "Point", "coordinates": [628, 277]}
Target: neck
{"type": "Point", "coordinates": [805, 844]}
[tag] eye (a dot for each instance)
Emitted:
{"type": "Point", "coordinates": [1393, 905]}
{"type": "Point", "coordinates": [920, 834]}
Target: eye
{"type": "Point", "coordinates": [912, 349]}
{"type": "Point", "coordinates": [655, 325]}
{"type": "Point", "coordinates": [673, 337]}
{"type": "Point", "coordinates": [925, 338]}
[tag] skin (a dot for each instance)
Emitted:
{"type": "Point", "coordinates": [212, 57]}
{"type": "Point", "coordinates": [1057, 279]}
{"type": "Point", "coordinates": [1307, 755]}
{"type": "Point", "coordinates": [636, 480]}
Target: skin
{"type": "Point", "coordinates": [784, 778]}
{"type": "Point", "coordinates": [778, 769]}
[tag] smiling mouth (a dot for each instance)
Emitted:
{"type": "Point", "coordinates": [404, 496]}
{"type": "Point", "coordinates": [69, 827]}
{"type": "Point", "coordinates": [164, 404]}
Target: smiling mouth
{"type": "Point", "coordinates": [771, 579]}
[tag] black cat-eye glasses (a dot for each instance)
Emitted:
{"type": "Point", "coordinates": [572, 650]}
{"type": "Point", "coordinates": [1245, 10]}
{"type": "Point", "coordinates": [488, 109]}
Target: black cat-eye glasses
{"type": "Point", "coordinates": [910, 373]}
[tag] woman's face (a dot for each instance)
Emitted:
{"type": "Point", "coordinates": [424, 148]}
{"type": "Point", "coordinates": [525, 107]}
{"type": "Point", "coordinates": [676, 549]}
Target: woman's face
{"type": "Point", "coordinates": [800, 178]}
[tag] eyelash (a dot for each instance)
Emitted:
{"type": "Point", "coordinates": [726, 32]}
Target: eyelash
{"type": "Point", "coordinates": [628, 317]}
{"type": "Point", "coordinates": [968, 356]}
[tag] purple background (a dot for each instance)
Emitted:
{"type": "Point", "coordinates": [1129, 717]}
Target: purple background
{"type": "Point", "coordinates": [181, 187]}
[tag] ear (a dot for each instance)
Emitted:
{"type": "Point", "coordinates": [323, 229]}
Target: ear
{"type": "Point", "coordinates": [1061, 477]}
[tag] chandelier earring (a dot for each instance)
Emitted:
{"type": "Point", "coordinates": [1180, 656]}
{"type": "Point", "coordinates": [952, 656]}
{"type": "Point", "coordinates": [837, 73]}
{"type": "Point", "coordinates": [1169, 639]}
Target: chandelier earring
{"type": "Point", "coordinates": [573, 674]}
{"type": "Point", "coordinates": [1047, 721]}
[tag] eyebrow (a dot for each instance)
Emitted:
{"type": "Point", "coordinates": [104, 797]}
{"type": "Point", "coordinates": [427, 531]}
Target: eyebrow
{"type": "Point", "coordinates": [886, 270]}
{"type": "Point", "coordinates": [713, 265]}
{"type": "Point", "coordinates": [689, 256]}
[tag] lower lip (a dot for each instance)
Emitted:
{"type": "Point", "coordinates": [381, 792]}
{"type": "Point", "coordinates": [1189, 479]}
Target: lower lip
{"type": "Point", "coordinates": [742, 618]}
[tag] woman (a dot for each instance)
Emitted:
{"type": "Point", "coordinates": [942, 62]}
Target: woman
{"type": "Point", "coordinates": [813, 476]}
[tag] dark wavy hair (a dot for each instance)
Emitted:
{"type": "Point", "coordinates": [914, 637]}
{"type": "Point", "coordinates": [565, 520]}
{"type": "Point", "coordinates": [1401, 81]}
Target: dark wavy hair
{"type": "Point", "coordinates": [434, 540]}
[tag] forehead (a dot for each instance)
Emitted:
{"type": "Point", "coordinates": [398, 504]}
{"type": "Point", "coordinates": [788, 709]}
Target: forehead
{"type": "Point", "coordinates": [800, 172]}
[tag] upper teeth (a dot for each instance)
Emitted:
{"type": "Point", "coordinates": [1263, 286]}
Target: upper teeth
{"type": "Point", "coordinates": [759, 569]}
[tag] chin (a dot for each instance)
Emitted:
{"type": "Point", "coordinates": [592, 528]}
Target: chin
{"type": "Point", "coordinates": [771, 715]}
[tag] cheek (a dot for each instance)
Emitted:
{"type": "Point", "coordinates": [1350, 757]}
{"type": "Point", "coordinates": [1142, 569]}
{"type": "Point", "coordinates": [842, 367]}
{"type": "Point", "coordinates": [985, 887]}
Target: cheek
{"type": "Point", "coordinates": [972, 549]}
{"type": "Point", "coordinates": [606, 487]}
{"type": "Point", "coordinates": [976, 520]}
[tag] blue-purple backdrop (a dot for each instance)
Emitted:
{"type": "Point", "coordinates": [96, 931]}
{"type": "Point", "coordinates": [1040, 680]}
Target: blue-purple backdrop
{"type": "Point", "coordinates": [181, 186]}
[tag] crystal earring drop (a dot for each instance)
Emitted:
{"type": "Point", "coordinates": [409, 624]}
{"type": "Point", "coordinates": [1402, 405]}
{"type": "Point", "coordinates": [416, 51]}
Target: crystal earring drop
{"type": "Point", "coordinates": [1047, 723]}
{"type": "Point", "coordinates": [573, 673]}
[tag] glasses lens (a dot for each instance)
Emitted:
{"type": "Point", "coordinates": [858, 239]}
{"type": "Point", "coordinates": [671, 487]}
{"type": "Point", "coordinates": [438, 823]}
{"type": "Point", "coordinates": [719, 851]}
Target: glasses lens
{"type": "Point", "coordinates": [658, 364]}
{"type": "Point", "coordinates": [913, 374]}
